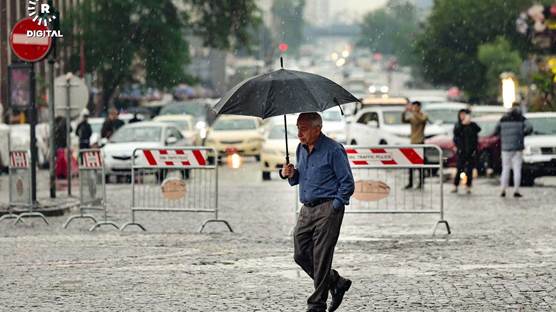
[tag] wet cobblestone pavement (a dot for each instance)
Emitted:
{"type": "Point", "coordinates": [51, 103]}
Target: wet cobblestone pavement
{"type": "Point", "coordinates": [501, 256]}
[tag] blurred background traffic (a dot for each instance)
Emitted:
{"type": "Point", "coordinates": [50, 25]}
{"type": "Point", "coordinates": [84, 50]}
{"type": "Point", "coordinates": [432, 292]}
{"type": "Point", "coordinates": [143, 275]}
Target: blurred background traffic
{"type": "Point", "coordinates": [162, 66]}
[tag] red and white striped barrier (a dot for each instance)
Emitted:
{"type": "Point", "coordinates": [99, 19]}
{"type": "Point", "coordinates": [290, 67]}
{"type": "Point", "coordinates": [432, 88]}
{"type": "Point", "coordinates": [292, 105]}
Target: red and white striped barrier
{"type": "Point", "coordinates": [19, 159]}
{"type": "Point", "coordinates": [388, 157]}
{"type": "Point", "coordinates": [92, 159]}
{"type": "Point", "coordinates": [175, 158]}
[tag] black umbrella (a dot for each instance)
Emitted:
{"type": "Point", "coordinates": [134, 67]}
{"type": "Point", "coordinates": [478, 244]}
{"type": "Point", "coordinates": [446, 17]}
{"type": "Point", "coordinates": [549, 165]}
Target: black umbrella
{"type": "Point", "coordinates": [283, 92]}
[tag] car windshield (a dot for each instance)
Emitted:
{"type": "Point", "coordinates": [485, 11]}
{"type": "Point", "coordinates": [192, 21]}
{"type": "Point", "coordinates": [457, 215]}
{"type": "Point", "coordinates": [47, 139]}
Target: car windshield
{"type": "Point", "coordinates": [393, 118]}
{"type": "Point", "coordinates": [277, 132]}
{"type": "Point", "coordinates": [235, 124]}
{"type": "Point", "coordinates": [448, 115]}
{"type": "Point", "coordinates": [544, 125]}
{"type": "Point", "coordinates": [184, 108]}
{"type": "Point", "coordinates": [331, 115]}
{"type": "Point", "coordinates": [137, 134]}
{"type": "Point", "coordinates": [487, 127]}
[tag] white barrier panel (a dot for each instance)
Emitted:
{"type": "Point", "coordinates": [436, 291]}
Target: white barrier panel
{"type": "Point", "coordinates": [396, 180]}
{"type": "Point", "coordinates": [174, 180]}
{"type": "Point", "coordinates": [92, 188]}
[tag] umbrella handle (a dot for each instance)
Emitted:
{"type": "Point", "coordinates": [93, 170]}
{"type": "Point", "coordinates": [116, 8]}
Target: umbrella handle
{"type": "Point", "coordinates": [338, 103]}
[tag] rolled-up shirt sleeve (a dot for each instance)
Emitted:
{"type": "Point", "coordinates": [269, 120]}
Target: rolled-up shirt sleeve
{"type": "Point", "coordinates": [342, 170]}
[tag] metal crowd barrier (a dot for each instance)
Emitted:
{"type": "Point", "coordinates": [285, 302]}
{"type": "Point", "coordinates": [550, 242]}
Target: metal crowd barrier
{"type": "Point", "coordinates": [92, 188]}
{"type": "Point", "coordinates": [174, 180]}
{"type": "Point", "coordinates": [20, 187]}
{"type": "Point", "coordinates": [382, 173]}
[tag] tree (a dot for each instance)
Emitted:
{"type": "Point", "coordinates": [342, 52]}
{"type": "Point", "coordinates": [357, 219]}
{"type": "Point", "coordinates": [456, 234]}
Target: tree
{"type": "Point", "coordinates": [152, 33]}
{"type": "Point", "coordinates": [288, 22]}
{"type": "Point", "coordinates": [497, 57]}
{"type": "Point", "coordinates": [448, 46]}
{"type": "Point", "coordinates": [391, 30]}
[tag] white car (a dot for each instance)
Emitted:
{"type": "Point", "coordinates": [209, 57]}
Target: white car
{"type": "Point", "coordinates": [334, 125]}
{"type": "Point", "coordinates": [444, 114]}
{"type": "Point", "coordinates": [539, 156]}
{"type": "Point", "coordinates": [383, 125]}
{"type": "Point", "coordinates": [186, 124]}
{"type": "Point", "coordinates": [273, 153]}
{"type": "Point", "coordinates": [148, 134]}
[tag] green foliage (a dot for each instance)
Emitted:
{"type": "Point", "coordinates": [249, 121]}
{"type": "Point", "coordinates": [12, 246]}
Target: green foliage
{"type": "Point", "coordinates": [448, 47]}
{"type": "Point", "coordinates": [152, 34]}
{"type": "Point", "coordinates": [497, 57]}
{"type": "Point", "coordinates": [391, 30]}
{"type": "Point", "coordinates": [288, 22]}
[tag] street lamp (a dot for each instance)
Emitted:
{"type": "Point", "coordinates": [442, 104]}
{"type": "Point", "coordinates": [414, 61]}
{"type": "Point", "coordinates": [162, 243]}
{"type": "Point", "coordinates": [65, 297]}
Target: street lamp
{"type": "Point", "coordinates": [509, 89]}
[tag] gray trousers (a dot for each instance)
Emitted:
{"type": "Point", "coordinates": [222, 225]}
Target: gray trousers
{"type": "Point", "coordinates": [315, 237]}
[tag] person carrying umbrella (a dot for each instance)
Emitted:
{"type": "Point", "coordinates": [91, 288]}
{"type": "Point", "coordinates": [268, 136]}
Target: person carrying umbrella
{"type": "Point", "coordinates": [323, 172]}
{"type": "Point", "coordinates": [325, 184]}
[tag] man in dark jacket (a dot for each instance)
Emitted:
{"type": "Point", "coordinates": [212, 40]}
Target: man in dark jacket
{"type": "Point", "coordinates": [84, 132]}
{"type": "Point", "coordinates": [466, 139]}
{"type": "Point", "coordinates": [512, 128]}
{"type": "Point", "coordinates": [111, 124]}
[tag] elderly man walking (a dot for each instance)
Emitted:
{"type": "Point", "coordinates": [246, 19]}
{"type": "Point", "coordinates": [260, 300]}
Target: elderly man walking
{"type": "Point", "coordinates": [325, 185]}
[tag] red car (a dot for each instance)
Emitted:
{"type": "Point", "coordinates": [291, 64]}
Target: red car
{"type": "Point", "coordinates": [489, 146]}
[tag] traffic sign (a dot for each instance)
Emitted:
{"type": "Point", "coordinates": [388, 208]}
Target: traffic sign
{"type": "Point", "coordinates": [78, 95]}
{"type": "Point", "coordinates": [30, 41]}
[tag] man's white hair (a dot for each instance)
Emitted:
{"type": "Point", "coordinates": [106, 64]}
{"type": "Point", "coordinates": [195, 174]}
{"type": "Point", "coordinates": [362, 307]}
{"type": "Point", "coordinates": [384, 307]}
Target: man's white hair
{"type": "Point", "coordinates": [314, 118]}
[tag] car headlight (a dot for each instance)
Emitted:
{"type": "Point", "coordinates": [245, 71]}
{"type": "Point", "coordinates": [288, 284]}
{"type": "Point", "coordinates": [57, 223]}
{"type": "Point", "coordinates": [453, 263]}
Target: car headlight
{"type": "Point", "coordinates": [202, 127]}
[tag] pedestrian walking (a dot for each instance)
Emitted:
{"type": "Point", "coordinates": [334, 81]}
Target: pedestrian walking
{"type": "Point", "coordinates": [512, 129]}
{"type": "Point", "coordinates": [466, 139]}
{"type": "Point", "coordinates": [414, 116]}
{"type": "Point", "coordinates": [111, 124]}
{"type": "Point", "coordinates": [325, 186]}
{"type": "Point", "coordinates": [84, 131]}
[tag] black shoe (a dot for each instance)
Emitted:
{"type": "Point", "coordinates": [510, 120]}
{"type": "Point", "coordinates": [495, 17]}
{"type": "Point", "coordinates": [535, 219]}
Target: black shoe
{"type": "Point", "coordinates": [338, 295]}
{"type": "Point", "coordinates": [517, 195]}
{"type": "Point", "coordinates": [315, 310]}
{"type": "Point", "coordinates": [408, 187]}
{"type": "Point", "coordinates": [503, 194]}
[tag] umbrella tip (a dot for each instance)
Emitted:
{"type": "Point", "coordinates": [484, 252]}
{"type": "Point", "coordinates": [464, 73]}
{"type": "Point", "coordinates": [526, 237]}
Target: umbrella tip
{"type": "Point", "coordinates": [281, 62]}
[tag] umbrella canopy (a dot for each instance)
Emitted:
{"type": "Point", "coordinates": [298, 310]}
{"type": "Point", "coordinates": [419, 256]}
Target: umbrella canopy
{"type": "Point", "coordinates": [283, 92]}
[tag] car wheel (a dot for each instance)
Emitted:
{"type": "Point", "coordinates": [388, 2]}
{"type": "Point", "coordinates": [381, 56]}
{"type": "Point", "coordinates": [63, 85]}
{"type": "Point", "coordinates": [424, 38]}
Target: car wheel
{"type": "Point", "coordinates": [266, 176]}
{"type": "Point", "coordinates": [382, 142]}
{"type": "Point", "coordinates": [527, 179]}
{"type": "Point", "coordinates": [353, 142]}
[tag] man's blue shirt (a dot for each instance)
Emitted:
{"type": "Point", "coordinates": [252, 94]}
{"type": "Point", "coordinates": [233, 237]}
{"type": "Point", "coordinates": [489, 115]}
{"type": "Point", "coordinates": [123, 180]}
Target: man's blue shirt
{"type": "Point", "coordinates": [324, 173]}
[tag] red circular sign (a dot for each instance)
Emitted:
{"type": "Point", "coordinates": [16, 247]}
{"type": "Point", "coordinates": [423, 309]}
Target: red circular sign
{"type": "Point", "coordinates": [283, 47]}
{"type": "Point", "coordinates": [30, 48]}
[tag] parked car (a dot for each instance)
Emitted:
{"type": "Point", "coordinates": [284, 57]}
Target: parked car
{"type": "Point", "coordinates": [147, 134]}
{"type": "Point", "coordinates": [200, 109]}
{"type": "Point", "coordinates": [186, 124]}
{"type": "Point", "coordinates": [488, 148]}
{"type": "Point", "coordinates": [383, 125]}
{"type": "Point", "coordinates": [334, 125]}
{"type": "Point", "coordinates": [444, 114]}
{"type": "Point", "coordinates": [242, 133]}
{"type": "Point", "coordinates": [273, 153]}
{"type": "Point", "coordinates": [4, 154]}
{"type": "Point", "coordinates": [539, 156]}
{"type": "Point", "coordinates": [483, 110]}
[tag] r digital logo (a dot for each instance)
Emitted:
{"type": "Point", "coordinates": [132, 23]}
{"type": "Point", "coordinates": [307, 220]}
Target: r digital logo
{"type": "Point", "coordinates": [40, 12]}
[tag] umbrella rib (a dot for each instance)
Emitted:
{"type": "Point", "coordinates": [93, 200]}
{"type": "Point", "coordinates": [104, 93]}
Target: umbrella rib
{"type": "Point", "coordinates": [307, 87]}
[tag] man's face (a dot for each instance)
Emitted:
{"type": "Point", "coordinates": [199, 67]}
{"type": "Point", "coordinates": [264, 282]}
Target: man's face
{"type": "Point", "coordinates": [113, 115]}
{"type": "Point", "coordinates": [416, 108]}
{"type": "Point", "coordinates": [306, 132]}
